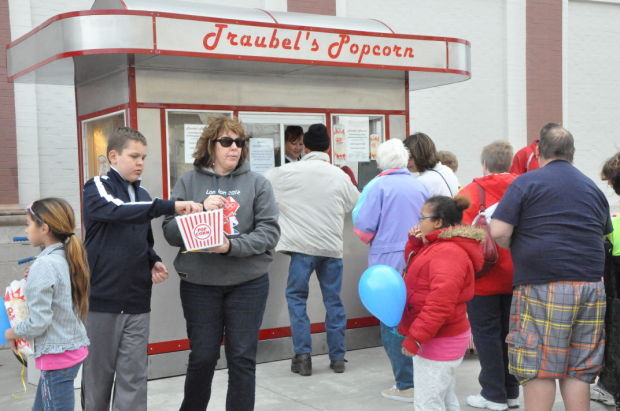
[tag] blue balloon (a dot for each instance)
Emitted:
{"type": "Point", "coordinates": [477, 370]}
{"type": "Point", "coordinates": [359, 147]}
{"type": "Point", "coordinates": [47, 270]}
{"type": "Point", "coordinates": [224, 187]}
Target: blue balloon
{"type": "Point", "coordinates": [4, 321]}
{"type": "Point", "coordinates": [383, 293]}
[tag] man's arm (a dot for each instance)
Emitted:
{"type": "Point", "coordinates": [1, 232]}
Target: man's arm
{"type": "Point", "coordinates": [501, 232]}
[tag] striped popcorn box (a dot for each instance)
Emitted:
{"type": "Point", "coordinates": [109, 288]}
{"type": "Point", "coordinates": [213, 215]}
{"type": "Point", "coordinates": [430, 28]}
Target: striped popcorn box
{"type": "Point", "coordinates": [202, 230]}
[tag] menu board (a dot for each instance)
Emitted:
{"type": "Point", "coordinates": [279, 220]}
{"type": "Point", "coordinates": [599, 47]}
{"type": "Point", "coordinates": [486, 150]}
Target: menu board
{"type": "Point", "coordinates": [357, 132]}
{"type": "Point", "coordinates": [261, 154]}
{"type": "Point", "coordinates": [191, 134]}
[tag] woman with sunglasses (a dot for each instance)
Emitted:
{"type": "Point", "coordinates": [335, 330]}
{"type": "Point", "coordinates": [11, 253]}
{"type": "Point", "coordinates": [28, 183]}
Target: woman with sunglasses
{"type": "Point", "coordinates": [224, 289]}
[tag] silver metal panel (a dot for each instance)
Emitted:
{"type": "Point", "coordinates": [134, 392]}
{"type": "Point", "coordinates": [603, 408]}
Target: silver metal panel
{"type": "Point", "coordinates": [81, 33]}
{"type": "Point", "coordinates": [419, 80]}
{"type": "Point", "coordinates": [173, 364]}
{"type": "Point", "coordinates": [459, 56]}
{"type": "Point", "coordinates": [264, 89]}
{"type": "Point", "coordinates": [103, 93]}
{"type": "Point", "coordinates": [319, 20]}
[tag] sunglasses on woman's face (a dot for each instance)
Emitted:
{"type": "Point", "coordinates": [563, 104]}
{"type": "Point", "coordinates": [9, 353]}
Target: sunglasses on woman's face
{"type": "Point", "coordinates": [226, 141]}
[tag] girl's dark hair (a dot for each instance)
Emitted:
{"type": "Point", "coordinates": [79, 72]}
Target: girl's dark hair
{"type": "Point", "coordinates": [59, 217]}
{"type": "Point", "coordinates": [611, 172]}
{"type": "Point", "coordinates": [422, 150]}
{"type": "Point", "coordinates": [448, 209]}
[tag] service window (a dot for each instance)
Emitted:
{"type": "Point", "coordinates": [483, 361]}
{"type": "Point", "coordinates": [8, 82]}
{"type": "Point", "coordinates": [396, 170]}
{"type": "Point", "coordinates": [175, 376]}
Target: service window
{"type": "Point", "coordinates": [355, 139]}
{"type": "Point", "coordinates": [95, 133]}
{"type": "Point", "coordinates": [266, 132]}
{"type": "Point", "coordinates": [184, 130]}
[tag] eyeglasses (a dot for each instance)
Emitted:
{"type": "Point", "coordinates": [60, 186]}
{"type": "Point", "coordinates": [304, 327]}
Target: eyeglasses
{"type": "Point", "coordinates": [424, 217]}
{"type": "Point", "coordinates": [226, 141]}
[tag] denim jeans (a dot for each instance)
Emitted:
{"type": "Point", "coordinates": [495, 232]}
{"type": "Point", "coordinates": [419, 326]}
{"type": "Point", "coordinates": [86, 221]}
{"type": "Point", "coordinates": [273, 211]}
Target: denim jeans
{"type": "Point", "coordinates": [55, 390]}
{"type": "Point", "coordinates": [488, 316]}
{"type": "Point", "coordinates": [329, 274]}
{"type": "Point", "coordinates": [232, 313]}
{"type": "Point", "coordinates": [402, 366]}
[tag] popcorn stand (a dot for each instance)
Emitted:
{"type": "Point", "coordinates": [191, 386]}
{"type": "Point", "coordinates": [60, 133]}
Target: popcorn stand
{"type": "Point", "coordinates": [166, 67]}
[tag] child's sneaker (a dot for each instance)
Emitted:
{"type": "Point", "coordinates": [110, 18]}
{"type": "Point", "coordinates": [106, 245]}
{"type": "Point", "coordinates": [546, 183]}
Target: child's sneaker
{"type": "Point", "coordinates": [513, 403]}
{"type": "Point", "coordinates": [599, 394]}
{"type": "Point", "coordinates": [478, 401]}
{"type": "Point", "coordinates": [398, 395]}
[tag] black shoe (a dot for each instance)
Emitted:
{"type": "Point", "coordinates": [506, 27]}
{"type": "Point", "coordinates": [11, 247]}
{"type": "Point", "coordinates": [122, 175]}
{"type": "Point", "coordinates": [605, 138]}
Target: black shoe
{"type": "Point", "coordinates": [302, 364]}
{"type": "Point", "coordinates": [337, 366]}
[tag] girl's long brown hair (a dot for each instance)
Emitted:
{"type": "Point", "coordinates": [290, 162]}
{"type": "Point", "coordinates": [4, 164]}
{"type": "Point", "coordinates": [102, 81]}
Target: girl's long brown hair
{"type": "Point", "coordinates": [59, 216]}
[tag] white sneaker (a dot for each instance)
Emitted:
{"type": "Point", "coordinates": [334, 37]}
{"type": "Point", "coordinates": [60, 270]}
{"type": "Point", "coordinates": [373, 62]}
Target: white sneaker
{"type": "Point", "coordinates": [478, 401]}
{"type": "Point", "coordinates": [597, 393]}
{"type": "Point", "coordinates": [398, 395]}
{"type": "Point", "coordinates": [513, 403]}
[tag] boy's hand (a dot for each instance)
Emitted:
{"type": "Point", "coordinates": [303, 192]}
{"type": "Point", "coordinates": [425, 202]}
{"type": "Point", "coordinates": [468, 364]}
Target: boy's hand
{"type": "Point", "coordinates": [222, 249]}
{"type": "Point", "coordinates": [159, 273]}
{"type": "Point", "coordinates": [213, 202]}
{"type": "Point", "coordinates": [187, 207]}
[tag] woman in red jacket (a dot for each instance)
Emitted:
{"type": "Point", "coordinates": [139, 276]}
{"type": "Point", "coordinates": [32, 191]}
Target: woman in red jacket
{"type": "Point", "coordinates": [443, 257]}
{"type": "Point", "coordinates": [490, 308]}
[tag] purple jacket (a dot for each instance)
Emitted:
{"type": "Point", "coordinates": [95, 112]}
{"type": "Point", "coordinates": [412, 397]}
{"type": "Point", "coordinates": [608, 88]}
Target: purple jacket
{"type": "Point", "coordinates": [387, 208]}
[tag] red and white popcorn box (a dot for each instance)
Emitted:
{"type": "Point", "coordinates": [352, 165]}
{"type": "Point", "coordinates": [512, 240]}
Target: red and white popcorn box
{"type": "Point", "coordinates": [17, 310]}
{"type": "Point", "coordinates": [202, 230]}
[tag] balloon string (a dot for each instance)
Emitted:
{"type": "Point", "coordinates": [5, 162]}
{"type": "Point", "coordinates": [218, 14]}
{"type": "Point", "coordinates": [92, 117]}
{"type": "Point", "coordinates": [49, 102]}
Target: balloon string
{"type": "Point", "coordinates": [22, 376]}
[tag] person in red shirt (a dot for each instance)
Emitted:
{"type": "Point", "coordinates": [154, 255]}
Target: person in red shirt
{"type": "Point", "coordinates": [525, 160]}
{"type": "Point", "coordinates": [443, 257]}
{"type": "Point", "coordinates": [489, 310]}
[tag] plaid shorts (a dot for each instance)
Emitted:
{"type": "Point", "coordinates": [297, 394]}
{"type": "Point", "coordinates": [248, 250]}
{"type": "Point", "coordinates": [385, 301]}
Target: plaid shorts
{"type": "Point", "coordinates": [557, 330]}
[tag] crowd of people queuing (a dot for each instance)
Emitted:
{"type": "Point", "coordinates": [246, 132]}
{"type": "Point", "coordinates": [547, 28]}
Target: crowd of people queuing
{"type": "Point", "coordinates": [537, 315]}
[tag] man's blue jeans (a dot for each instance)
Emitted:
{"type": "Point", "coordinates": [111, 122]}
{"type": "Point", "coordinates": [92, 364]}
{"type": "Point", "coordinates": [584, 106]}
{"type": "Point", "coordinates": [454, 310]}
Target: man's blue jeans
{"type": "Point", "coordinates": [329, 274]}
{"type": "Point", "coordinates": [402, 366]}
{"type": "Point", "coordinates": [55, 390]}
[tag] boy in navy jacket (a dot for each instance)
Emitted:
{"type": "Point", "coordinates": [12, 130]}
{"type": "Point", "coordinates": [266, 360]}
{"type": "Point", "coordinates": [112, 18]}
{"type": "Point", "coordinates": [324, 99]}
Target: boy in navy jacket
{"type": "Point", "coordinates": [124, 266]}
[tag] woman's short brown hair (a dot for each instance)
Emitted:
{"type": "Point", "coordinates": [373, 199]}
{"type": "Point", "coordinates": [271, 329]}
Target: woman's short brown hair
{"type": "Point", "coordinates": [293, 133]}
{"type": "Point", "coordinates": [205, 148]}
{"type": "Point", "coordinates": [423, 151]}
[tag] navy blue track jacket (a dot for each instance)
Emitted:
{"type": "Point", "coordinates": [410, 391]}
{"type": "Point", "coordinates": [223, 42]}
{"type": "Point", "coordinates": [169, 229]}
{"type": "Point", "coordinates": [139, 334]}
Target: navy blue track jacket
{"type": "Point", "coordinates": [119, 243]}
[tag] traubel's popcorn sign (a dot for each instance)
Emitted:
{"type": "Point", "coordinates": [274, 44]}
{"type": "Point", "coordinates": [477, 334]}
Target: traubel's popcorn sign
{"type": "Point", "coordinates": [290, 43]}
{"type": "Point", "coordinates": [17, 310]}
{"type": "Point", "coordinates": [202, 230]}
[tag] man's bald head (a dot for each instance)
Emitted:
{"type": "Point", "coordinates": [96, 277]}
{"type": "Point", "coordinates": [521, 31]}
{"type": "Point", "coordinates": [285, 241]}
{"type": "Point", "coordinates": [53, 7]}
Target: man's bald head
{"type": "Point", "coordinates": [557, 143]}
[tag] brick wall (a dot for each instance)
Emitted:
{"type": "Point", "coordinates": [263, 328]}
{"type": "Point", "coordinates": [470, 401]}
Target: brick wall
{"type": "Point", "coordinates": [544, 64]}
{"type": "Point", "coordinates": [326, 7]}
{"type": "Point", "coordinates": [8, 153]}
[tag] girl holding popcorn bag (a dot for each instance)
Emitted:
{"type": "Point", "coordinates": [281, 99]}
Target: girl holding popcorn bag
{"type": "Point", "coordinates": [57, 297]}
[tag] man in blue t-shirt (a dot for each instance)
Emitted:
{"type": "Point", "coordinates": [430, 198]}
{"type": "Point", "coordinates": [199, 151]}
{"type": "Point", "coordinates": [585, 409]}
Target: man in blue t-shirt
{"type": "Point", "coordinates": [553, 220]}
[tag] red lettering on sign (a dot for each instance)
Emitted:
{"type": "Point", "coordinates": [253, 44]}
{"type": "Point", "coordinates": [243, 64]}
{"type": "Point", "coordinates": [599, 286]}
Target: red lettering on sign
{"type": "Point", "coordinates": [409, 51]}
{"type": "Point", "coordinates": [215, 36]}
{"type": "Point", "coordinates": [286, 44]}
{"type": "Point", "coordinates": [296, 46]}
{"type": "Point", "coordinates": [376, 50]}
{"type": "Point", "coordinates": [335, 48]}
{"type": "Point", "coordinates": [365, 51]}
{"type": "Point", "coordinates": [315, 45]}
{"type": "Point", "coordinates": [246, 41]}
{"type": "Point", "coordinates": [231, 39]}
{"type": "Point", "coordinates": [274, 42]}
{"type": "Point", "coordinates": [261, 41]}
{"type": "Point", "coordinates": [397, 51]}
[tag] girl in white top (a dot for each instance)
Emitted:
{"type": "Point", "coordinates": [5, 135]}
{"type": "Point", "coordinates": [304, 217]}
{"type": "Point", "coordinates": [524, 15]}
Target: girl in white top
{"type": "Point", "coordinates": [438, 179]}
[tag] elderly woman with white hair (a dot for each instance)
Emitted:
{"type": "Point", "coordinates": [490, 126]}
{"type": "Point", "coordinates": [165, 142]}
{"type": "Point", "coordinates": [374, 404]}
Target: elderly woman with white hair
{"type": "Point", "coordinates": [389, 205]}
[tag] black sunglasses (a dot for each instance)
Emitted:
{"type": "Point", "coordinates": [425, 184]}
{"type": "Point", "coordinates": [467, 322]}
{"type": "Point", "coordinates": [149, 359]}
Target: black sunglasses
{"type": "Point", "coordinates": [226, 141]}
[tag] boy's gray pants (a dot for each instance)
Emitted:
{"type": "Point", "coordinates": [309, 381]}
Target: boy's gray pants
{"type": "Point", "coordinates": [117, 358]}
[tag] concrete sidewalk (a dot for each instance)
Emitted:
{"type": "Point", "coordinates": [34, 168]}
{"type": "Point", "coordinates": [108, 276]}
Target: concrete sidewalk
{"type": "Point", "coordinates": [368, 372]}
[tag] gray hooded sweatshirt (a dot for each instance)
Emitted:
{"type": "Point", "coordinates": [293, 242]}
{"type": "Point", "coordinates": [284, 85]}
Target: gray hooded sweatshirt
{"type": "Point", "coordinates": [257, 232]}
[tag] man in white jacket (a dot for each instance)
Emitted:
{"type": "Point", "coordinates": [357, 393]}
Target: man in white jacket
{"type": "Point", "coordinates": [313, 197]}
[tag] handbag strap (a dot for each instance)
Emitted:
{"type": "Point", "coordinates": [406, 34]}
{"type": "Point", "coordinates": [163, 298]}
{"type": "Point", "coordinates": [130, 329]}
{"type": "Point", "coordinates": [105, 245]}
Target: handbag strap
{"type": "Point", "coordinates": [481, 197]}
{"type": "Point", "coordinates": [444, 180]}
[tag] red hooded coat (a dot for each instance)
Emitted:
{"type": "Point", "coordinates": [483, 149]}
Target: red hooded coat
{"type": "Point", "coordinates": [440, 281]}
{"type": "Point", "coordinates": [498, 280]}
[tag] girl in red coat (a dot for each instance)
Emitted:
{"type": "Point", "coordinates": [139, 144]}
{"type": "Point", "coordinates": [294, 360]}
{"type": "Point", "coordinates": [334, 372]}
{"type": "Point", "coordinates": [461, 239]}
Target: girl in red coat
{"type": "Point", "coordinates": [443, 257]}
